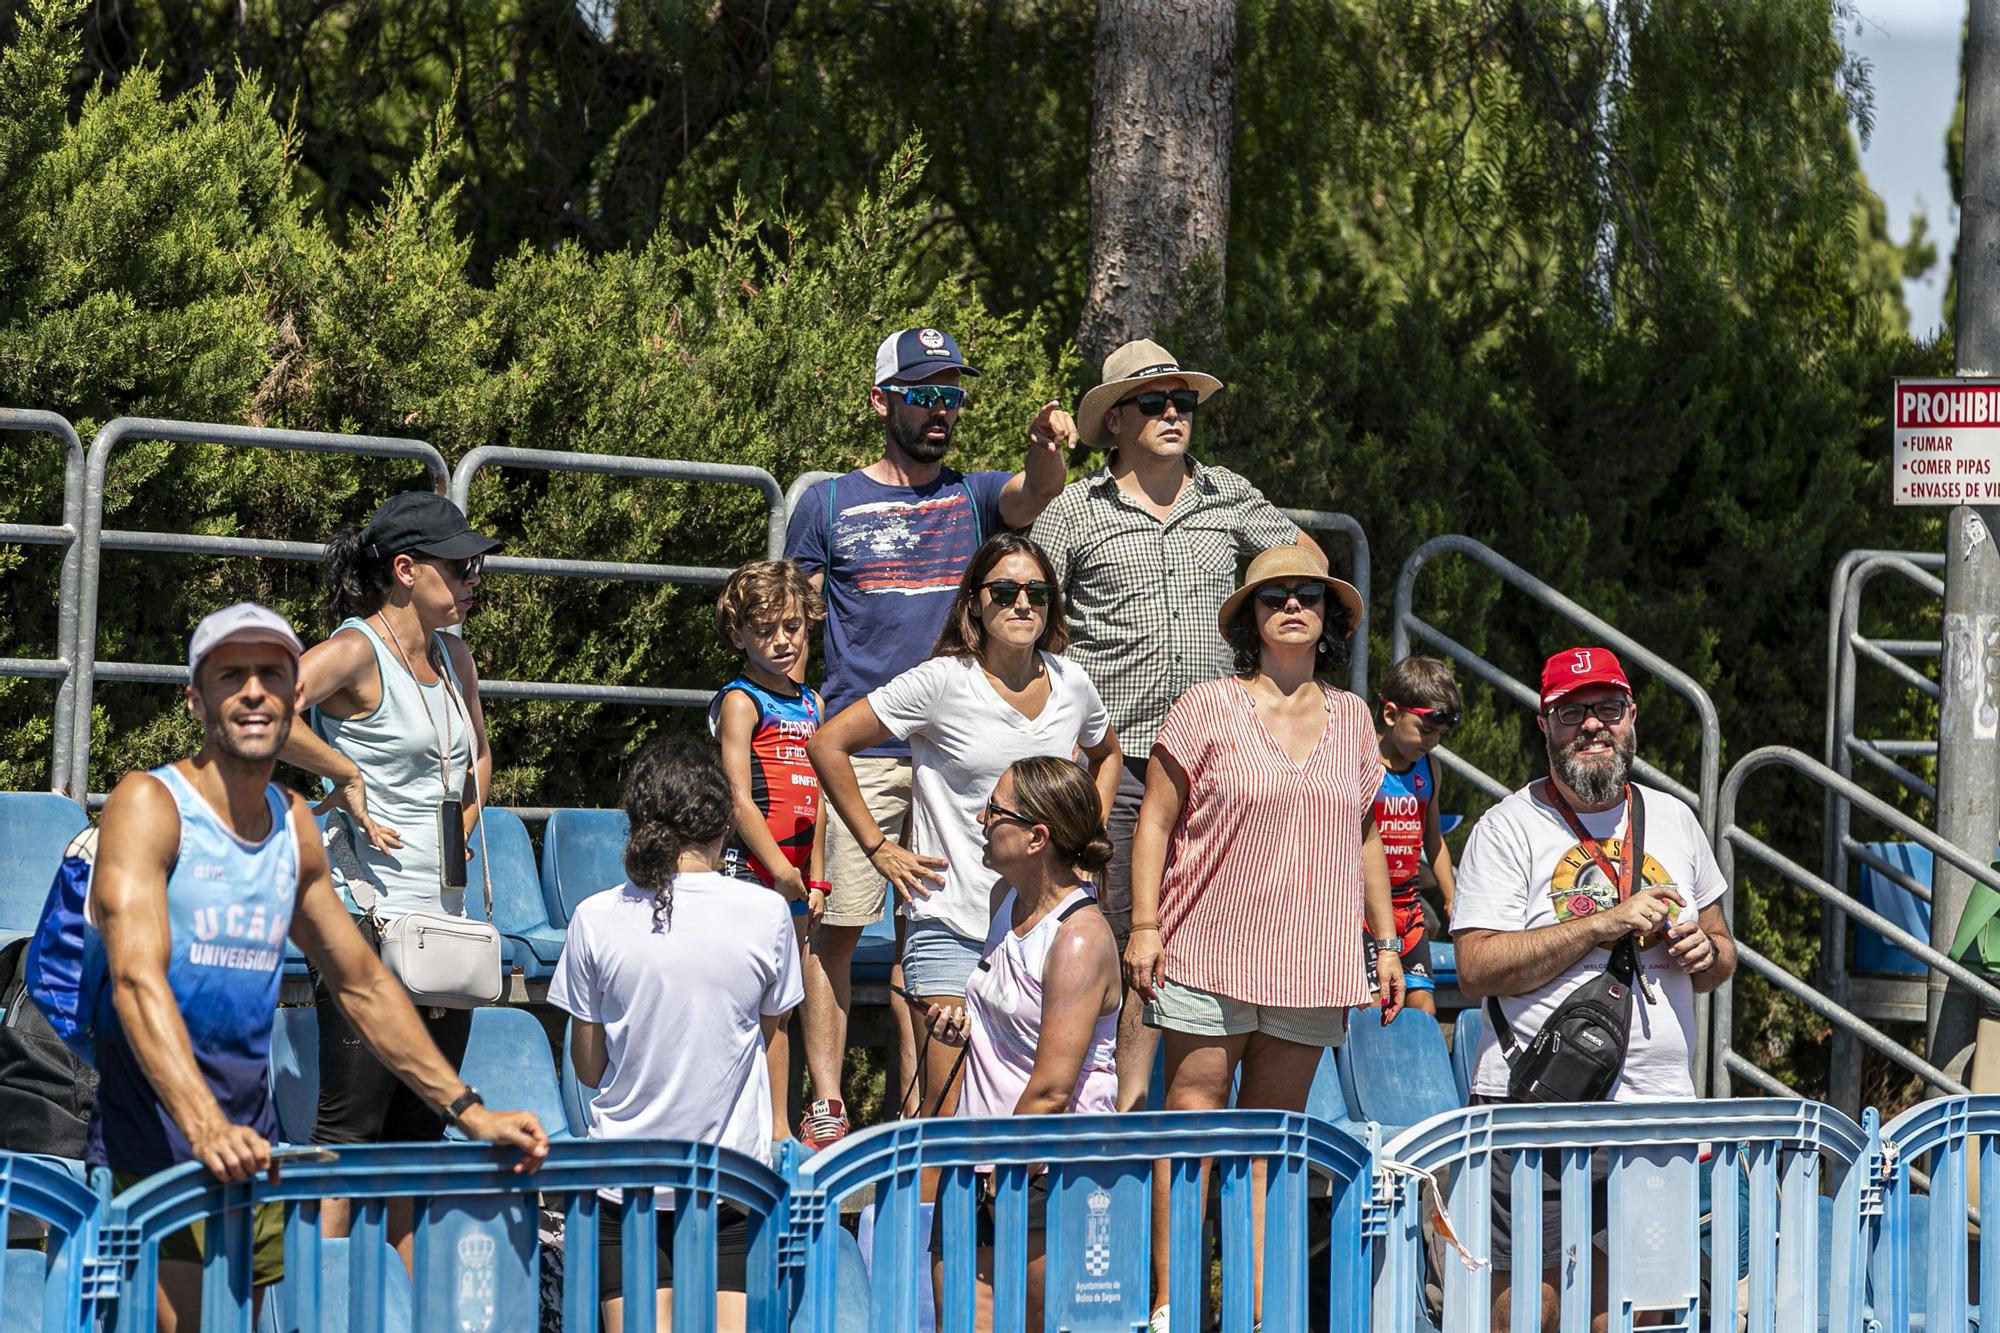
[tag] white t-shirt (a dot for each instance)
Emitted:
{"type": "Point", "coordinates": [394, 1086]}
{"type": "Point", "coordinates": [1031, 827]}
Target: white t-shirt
{"type": "Point", "coordinates": [962, 737]}
{"type": "Point", "coordinates": [1523, 868]}
{"type": "Point", "coordinates": [681, 1006]}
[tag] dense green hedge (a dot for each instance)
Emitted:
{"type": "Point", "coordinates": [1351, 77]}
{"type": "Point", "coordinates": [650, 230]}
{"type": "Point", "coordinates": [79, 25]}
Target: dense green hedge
{"type": "Point", "coordinates": [1424, 326]}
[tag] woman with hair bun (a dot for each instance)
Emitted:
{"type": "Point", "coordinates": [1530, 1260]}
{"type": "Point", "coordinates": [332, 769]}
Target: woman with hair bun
{"type": "Point", "coordinates": [674, 983]}
{"type": "Point", "coordinates": [1040, 1020]}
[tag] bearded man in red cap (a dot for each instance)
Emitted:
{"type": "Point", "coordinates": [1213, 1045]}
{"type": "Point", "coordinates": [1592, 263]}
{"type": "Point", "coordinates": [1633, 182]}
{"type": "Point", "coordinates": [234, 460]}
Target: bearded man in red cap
{"type": "Point", "coordinates": [1553, 878]}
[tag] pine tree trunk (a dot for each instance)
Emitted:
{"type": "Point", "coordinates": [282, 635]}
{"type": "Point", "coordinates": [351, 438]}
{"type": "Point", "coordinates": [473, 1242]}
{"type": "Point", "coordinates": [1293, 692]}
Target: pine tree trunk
{"type": "Point", "coordinates": [1162, 109]}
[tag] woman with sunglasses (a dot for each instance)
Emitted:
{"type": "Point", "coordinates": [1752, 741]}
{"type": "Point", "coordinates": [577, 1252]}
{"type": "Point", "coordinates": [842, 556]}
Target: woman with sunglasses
{"type": "Point", "coordinates": [1256, 860]}
{"type": "Point", "coordinates": [1041, 1011]}
{"type": "Point", "coordinates": [399, 736]}
{"type": "Point", "coordinates": [995, 689]}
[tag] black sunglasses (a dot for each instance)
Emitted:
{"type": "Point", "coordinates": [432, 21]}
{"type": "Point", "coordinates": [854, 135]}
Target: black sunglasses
{"type": "Point", "coordinates": [995, 809]}
{"type": "Point", "coordinates": [463, 570]}
{"type": "Point", "coordinates": [1153, 402]}
{"type": "Point", "coordinates": [1005, 592]}
{"type": "Point", "coordinates": [1276, 596]}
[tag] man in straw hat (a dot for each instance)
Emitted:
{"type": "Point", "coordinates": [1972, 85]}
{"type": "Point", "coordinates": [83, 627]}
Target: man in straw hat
{"type": "Point", "coordinates": [1147, 548]}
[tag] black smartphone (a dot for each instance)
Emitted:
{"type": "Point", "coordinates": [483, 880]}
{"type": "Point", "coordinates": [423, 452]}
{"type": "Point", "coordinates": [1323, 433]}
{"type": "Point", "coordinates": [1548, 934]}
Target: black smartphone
{"type": "Point", "coordinates": [451, 843]}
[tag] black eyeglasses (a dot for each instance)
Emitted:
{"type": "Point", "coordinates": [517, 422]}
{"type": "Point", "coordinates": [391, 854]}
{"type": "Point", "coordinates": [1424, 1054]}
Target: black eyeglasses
{"type": "Point", "coordinates": [1153, 402]}
{"type": "Point", "coordinates": [948, 396]}
{"type": "Point", "coordinates": [1005, 592]}
{"type": "Point", "coordinates": [996, 810]}
{"type": "Point", "coordinates": [1608, 711]}
{"type": "Point", "coordinates": [1276, 596]}
{"type": "Point", "coordinates": [1439, 720]}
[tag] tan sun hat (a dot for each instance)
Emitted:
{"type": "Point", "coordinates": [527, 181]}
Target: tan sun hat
{"type": "Point", "coordinates": [1128, 371]}
{"type": "Point", "coordinates": [1288, 562]}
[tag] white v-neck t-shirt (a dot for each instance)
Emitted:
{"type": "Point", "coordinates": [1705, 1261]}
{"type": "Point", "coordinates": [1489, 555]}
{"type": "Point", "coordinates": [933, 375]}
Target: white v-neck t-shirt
{"type": "Point", "coordinates": [681, 1006]}
{"type": "Point", "coordinates": [962, 737]}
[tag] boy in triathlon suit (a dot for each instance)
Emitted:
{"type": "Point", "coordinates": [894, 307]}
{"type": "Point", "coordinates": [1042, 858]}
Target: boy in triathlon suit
{"type": "Point", "coordinates": [1418, 705]}
{"type": "Point", "coordinates": [762, 719]}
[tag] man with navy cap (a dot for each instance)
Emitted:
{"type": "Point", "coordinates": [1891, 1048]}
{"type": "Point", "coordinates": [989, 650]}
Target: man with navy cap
{"type": "Point", "coordinates": [887, 544]}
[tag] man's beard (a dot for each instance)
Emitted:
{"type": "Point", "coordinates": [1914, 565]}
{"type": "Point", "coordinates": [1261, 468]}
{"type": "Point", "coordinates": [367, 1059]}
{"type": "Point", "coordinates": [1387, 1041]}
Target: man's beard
{"type": "Point", "coordinates": [1600, 779]}
{"type": "Point", "coordinates": [264, 750]}
{"type": "Point", "coordinates": [914, 438]}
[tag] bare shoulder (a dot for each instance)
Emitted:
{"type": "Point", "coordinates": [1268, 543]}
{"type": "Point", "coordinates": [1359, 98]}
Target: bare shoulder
{"type": "Point", "coordinates": [1083, 937]}
{"type": "Point", "coordinates": [140, 824]}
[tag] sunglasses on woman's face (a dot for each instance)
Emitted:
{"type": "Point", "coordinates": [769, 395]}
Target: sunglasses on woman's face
{"type": "Point", "coordinates": [1276, 596]}
{"type": "Point", "coordinates": [1153, 402]}
{"type": "Point", "coordinates": [464, 571]}
{"type": "Point", "coordinates": [994, 810]}
{"type": "Point", "coordinates": [1005, 592]}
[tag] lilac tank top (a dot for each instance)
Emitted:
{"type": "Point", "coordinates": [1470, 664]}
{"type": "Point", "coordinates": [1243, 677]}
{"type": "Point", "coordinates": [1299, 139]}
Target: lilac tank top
{"type": "Point", "coordinates": [1003, 1001]}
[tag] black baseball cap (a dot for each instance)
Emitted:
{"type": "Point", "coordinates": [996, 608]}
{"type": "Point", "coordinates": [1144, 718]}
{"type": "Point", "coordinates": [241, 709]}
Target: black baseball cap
{"type": "Point", "coordinates": [426, 523]}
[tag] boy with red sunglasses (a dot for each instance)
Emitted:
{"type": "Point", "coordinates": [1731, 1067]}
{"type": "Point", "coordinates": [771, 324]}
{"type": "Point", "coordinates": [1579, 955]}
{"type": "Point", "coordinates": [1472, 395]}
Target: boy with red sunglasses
{"type": "Point", "coordinates": [1418, 705]}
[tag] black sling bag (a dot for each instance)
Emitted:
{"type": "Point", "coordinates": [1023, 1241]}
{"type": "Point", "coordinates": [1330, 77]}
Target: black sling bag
{"type": "Point", "coordinates": [1580, 1049]}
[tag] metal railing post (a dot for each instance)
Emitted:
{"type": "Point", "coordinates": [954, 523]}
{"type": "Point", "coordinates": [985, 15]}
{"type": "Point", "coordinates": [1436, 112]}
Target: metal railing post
{"type": "Point", "coordinates": [1362, 566]}
{"type": "Point", "coordinates": [69, 538]}
{"type": "Point", "coordinates": [94, 539]}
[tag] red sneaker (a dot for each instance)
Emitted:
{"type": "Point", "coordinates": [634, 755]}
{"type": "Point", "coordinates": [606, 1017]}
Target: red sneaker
{"type": "Point", "coordinates": [824, 1124]}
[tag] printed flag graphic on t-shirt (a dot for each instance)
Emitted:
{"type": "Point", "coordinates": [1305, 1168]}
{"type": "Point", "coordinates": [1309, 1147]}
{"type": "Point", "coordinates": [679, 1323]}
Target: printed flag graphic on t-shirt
{"type": "Point", "coordinates": [904, 547]}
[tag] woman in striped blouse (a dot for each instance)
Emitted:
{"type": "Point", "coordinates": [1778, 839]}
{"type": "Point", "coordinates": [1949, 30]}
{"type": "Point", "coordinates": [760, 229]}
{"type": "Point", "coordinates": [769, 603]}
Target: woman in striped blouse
{"type": "Point", "coordinates": [1256, 861]}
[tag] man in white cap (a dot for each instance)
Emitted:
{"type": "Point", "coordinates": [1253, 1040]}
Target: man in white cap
{"type": "Point", "coordinates": [887, 545]}
{"type": "Point", "coordinates": [203, 868]}
{"type": "Point", "coordinates": [1147, 548]}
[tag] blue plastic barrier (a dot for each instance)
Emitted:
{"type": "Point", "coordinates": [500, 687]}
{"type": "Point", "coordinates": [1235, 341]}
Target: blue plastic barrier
{"type": "Point", "coordinates": [1941, 1137]}
{"type": "Point", "coordinates": [1100, 1171]}
{"type": "Point", "coordinates": [476, 1255]}
{"type": "Point", "coordinates": [1777, 1147]}
{"type": "Point", "coordinates": [55, 1288]}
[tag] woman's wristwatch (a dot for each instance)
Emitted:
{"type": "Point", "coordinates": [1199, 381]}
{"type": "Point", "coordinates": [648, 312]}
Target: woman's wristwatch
{"type": "Point", "coordinates": [1392, 945]}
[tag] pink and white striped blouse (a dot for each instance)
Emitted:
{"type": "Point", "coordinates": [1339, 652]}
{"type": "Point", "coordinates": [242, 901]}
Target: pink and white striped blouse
{"type": "Point", "coordinates": [1262, 897]}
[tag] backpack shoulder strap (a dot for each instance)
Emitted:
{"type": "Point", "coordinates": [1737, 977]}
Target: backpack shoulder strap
{"type": "Point", "coordinates": [978, 523]}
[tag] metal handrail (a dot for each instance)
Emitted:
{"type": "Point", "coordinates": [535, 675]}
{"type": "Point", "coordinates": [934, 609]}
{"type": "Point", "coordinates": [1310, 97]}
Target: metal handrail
{"type": "Point", "coordinates": [1406, 623]}
{"type": "Point", "coordinates": [94, 540]}
{"type": "Point", "coordinates": [61, 667]}
{"type": "Point", "coordinates": [1732, 835]}
{"type": "Point", "coordinates": [1857, 569]}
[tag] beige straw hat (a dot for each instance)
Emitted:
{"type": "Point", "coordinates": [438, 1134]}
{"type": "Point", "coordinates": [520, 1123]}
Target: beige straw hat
{"type": "Point", "coordinates": [1288, 562]}
{"type": "Point", "coordinates": [1130, 370]}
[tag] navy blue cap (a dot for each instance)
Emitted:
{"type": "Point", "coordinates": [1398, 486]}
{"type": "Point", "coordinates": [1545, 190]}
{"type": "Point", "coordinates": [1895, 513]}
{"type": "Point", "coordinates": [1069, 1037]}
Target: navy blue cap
{"type": "Point", "coordinates": [917, 354]}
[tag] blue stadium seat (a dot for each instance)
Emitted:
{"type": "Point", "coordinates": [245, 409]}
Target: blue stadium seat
{"type": "Point", "coordinates": [1444, 963]}
{"type": "Point", "coordinates": [331, 1312]}
{"type": "Point", "coordinates": [875, 952]}
{"type": "Point", "coordinates": [507, 1058]}
{"type": "Point", "coordinates": [25, 1279]}
{"type": "Point", "coordinates": [1872, 953]}
{"type": "Point", "coordinates": [35, 829]}
{"type": "Point", "coordinates": [1446, 823]}
{"type": "Point", "coordinates": [575, 1095]}
{"type": "Point", "coordinates": [295, 1072]}
{"type": "Point", "coordinates": [583, 851]}
{"type": "Point", "coordinates": [1395, 1075]}
{"type": "Point", "coordinates": [1325, 1098]}
{"type": "Point", "coordinates": [1466, 1026]}
{"type": "Point", "coordinates": [518, 909]}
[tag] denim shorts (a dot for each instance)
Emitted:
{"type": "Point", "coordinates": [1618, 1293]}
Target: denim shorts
{"type": "Point", "coordinates": [937, 960]}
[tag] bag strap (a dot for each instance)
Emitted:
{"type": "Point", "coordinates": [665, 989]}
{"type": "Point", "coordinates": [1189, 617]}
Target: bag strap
{"type": "Point", "coordinates": [1623, 964]}
{"type": "Point", "coordinates": [978, 524]}
{"type": "Point", "coordinates": [472, 781]}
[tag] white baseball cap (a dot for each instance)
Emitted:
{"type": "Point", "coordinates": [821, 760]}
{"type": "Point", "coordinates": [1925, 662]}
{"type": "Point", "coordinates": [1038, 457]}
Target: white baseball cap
{"type": "Point", "coordinates": [245, 622]}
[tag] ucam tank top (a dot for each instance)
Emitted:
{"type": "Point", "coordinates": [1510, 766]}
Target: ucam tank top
{"type": "Point", "coordinates": [1400, 803]}
{"type": "Point", "coordinates": [1003, 1003]}
{"type": "Point", "coordinates": [229, 906]}
{"type": "Point", "coordinates": [783, 785]}
{"type": "Point", "coordinates": [396, 749]}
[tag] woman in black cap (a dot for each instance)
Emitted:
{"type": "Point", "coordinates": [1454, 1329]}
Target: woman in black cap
{"type": "Point", "coordinates": [398, 734]}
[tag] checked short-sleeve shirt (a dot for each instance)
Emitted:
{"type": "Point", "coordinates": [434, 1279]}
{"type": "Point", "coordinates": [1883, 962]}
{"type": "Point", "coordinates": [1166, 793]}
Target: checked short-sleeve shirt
{"type": "Point", "coordinates": [1143, 593]}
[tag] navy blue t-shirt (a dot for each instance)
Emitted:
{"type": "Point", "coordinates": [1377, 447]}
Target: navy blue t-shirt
{"type": "Point", "coordinates": [893, 556]}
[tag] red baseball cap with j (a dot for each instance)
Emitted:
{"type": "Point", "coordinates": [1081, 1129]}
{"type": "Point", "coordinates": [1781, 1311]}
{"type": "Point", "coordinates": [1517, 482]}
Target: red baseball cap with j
{"type": "Point", "coordinates": [1574, 668]}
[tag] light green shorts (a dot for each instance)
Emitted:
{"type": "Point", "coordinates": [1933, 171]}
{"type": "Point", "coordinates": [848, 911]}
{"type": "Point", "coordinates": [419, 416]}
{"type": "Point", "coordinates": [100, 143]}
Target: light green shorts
{"type": "Point", "coordinates": [1179, 1008]}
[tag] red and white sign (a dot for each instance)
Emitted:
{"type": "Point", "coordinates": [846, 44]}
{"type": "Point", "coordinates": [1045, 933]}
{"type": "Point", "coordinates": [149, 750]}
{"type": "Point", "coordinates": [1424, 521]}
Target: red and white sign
{"type": "Point", "coordinates": [1947, 442]}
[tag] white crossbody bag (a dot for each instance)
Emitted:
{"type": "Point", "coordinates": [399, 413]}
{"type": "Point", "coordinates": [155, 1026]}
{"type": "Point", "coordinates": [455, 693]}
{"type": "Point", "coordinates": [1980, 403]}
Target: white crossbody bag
{"type": "Point", "coordinates": [443, 961]}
